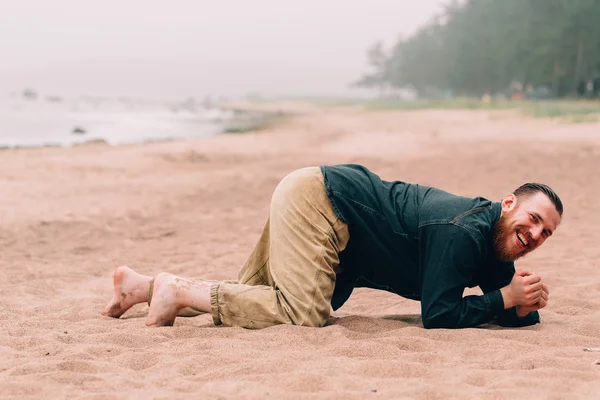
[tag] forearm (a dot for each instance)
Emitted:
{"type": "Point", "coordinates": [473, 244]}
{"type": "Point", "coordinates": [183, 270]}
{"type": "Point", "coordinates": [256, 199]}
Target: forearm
{"type": "Point", "coordinates": [469, 312]}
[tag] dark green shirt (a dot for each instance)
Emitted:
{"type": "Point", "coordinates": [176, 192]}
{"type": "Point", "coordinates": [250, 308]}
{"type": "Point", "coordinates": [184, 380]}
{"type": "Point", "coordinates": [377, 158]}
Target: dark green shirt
{"type": "Point", "coordinates": [421, 243]}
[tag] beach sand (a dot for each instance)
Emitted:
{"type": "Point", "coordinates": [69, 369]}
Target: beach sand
{"type": "Point", "coordinates": [196, 208]}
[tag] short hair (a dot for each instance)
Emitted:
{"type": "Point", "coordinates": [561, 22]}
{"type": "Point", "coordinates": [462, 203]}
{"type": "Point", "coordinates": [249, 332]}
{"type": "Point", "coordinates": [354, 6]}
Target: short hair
{"type": "Point", "coordinates": [529, 189]}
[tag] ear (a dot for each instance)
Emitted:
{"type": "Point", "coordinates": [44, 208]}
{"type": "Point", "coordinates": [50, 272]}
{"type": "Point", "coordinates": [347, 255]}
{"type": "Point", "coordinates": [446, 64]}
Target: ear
{"type": "Point", "coordinates": [509, 203]}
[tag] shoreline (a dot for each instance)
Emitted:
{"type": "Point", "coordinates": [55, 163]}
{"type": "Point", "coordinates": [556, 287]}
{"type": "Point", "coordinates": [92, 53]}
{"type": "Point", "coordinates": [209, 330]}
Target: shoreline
{"type": "Point", "coordinates": [250, 117]}
{"type": "Point", "coordinates": [242, 121]}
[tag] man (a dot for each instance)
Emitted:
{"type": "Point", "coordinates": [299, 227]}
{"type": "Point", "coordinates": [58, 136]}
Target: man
{"type": "Point", "coordinates": [333, 228]}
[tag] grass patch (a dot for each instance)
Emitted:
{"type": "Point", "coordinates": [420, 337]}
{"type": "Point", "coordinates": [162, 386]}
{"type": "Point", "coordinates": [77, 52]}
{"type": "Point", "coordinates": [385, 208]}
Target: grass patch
{"type": "Point", "coordinates": [459, 103]}
{"type": "Point", "coordinates": [252, 121]}
{"type": "Point", "coordinates": [583, 118]}
{"type": "Point", "coordinates": [570, 110]}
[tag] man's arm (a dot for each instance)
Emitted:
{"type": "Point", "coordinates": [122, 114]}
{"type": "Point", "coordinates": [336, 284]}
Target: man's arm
{"type": "Point", "coordinates": [450, 260]}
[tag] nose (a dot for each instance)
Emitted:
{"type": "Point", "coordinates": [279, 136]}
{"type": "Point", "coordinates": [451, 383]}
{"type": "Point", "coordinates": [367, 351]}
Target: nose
{"type": "Point", "coordinates": [536, 232]}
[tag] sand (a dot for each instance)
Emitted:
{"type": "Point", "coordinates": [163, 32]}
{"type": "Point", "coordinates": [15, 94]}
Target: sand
{"type": "Point", "coordinates": [195, 208]}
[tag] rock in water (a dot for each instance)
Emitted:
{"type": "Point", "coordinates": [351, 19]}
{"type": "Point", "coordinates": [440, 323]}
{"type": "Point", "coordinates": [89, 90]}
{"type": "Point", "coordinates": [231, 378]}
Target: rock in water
{"type": "Point", "coordinates": [78, 131]}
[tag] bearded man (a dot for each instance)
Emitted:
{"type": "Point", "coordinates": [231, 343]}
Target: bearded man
{"type": "Point", "coordinates": [336, 227]}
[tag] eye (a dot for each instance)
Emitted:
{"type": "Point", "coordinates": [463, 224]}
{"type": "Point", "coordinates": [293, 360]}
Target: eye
{"type": "Point", "coordinates": [533, 218]}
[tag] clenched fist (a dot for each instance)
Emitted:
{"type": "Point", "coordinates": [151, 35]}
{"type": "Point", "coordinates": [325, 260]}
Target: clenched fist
{"type": "Point", "coordinates": [526, 291]}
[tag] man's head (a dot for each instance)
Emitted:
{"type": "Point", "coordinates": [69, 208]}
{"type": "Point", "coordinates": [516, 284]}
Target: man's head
{"type": "Point", "coordinates": [529, 216]}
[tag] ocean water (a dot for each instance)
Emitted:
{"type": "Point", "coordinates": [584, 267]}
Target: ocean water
{"type": "Point", "coordinates": [67, 122]}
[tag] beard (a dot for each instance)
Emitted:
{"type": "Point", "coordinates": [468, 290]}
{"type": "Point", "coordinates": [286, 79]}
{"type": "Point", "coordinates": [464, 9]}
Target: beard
{"type": "Point", "coordinates": [501, 233]}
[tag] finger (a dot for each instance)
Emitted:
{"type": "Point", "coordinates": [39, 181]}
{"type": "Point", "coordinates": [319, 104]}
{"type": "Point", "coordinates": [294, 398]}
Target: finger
{"type": "Point", "coordinates": [545, 288]}
{"type": "Point", "coordinates": [534, 287]}
{"type": "Point", "coordinates": [534, 297]}
{"type": "Point", "coordinates": [523, 272]}
{"type": "Point", "coordinates": [532, 279]}
{"type": "Point", "coordinates": [542, 303]}
{"type": "Point", "coordinates": [544, 296]}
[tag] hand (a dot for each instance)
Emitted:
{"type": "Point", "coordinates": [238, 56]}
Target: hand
{"type": "Point", "coordinates": [525, 289]}
{"type": "Point", "coordinates": [524, 310]}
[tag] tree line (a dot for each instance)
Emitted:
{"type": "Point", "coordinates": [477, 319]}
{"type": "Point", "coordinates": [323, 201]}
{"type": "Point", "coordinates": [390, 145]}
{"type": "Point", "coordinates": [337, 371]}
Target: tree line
{"type": "Point", "coordinates": [478, 47]}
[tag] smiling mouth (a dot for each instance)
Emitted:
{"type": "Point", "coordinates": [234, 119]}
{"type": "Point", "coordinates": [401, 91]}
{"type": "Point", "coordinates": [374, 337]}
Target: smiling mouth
{"type": "Point", "coordinates": [522, 239]}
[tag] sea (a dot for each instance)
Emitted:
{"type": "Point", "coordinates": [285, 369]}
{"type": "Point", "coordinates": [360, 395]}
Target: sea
{"type": "Point", "coordinates": [31, 121]}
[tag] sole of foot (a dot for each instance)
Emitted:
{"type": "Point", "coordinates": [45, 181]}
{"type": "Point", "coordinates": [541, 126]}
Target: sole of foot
{"type": "Point", "coordinates": [130, 288]}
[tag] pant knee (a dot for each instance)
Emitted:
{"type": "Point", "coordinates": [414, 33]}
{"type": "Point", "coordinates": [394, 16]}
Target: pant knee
{"type": "Point", "coordinates": [312, 318]}
{"type": "Point", "coordinates": [316, 322]}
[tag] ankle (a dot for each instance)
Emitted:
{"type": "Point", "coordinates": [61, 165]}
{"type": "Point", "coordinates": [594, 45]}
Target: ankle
{"type": "Point", "coordinates": [174, 287]}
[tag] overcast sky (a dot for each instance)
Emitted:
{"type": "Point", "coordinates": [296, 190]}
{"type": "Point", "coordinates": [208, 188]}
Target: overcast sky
{"type": "Point", "coordinates": [180, 48]}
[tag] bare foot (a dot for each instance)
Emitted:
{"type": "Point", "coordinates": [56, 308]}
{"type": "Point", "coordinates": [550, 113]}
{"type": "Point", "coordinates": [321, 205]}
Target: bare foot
{"type": "Point", "coordinates": [165, 299]}
{"type": "Point", "coordinates": [130, 288]}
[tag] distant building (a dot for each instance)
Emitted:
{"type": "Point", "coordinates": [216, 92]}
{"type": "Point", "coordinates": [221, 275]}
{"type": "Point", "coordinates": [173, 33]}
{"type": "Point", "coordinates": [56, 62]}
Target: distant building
{"type": "Point", "coordinates": [30, 94]}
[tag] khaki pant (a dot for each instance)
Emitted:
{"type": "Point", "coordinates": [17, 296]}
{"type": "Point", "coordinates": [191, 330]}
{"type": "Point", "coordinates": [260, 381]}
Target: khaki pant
{"type": "Point", "coordinates": [290, 275]}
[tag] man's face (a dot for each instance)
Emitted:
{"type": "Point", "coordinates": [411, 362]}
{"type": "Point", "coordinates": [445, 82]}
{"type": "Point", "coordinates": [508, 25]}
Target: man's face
{"type": "Point", "coordinates": [524, 225]}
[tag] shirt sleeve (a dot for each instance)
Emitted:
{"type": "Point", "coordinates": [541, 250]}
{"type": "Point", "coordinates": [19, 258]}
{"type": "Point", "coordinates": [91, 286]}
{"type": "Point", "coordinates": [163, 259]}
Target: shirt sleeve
{"type": "Point", "coordinates": [450, 259]}
{"type": "Point", "coordinates": [497, 276]}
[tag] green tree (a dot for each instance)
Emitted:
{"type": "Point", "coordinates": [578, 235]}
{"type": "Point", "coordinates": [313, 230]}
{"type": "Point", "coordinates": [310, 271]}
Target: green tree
{"type": "Point", "coordinates": [480, 46]}
{"type": "Point", "coordinates": [377, 77]}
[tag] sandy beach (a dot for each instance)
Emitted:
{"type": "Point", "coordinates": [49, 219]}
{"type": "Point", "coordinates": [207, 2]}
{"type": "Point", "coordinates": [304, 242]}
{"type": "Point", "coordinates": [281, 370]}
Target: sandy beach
{"type": "Point", "coordinates": [69, 216]}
